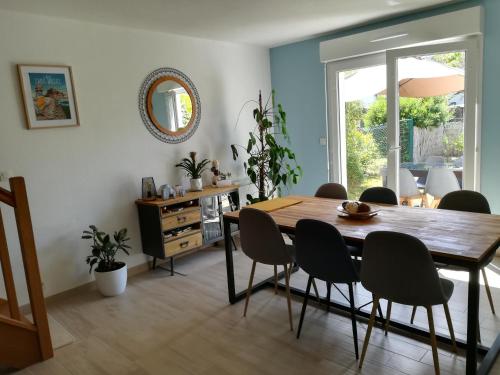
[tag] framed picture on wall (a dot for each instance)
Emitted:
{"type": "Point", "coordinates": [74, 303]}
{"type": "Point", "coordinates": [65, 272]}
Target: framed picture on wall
{"type": "Point", "coordinates": [48, 96]}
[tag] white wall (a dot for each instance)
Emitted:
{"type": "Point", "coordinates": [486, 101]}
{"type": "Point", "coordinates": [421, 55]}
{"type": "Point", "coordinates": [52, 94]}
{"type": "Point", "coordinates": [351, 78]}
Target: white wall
{"type": "Point", "coordinates": [92, 174]}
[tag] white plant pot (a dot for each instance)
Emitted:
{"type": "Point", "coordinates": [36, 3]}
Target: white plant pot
{"type": "Point", "coordinates": [112, 283]}
{"type": "Point", "coordinates": [196, 184]}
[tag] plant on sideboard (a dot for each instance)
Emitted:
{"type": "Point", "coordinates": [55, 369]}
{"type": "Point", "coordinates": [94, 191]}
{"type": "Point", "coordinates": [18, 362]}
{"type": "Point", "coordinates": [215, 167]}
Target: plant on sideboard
{"type": "Point", "coordinates": [194, 170]}
{"type": "Point", "coordinates": [110, 274]}
{"type": "Point", "coordinates": [271, 166]}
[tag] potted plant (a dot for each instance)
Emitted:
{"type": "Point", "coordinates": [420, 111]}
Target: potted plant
{"type": "Point", "coordinates": [110, 275]}
{"type": "Point", "coordinates": [194, 170]}
{"type": "Point", "coordinates": [271, 166]}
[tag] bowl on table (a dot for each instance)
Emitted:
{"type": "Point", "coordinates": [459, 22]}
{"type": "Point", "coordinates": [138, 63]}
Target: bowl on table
{"type": "Point", "coordinates": [356, 210]}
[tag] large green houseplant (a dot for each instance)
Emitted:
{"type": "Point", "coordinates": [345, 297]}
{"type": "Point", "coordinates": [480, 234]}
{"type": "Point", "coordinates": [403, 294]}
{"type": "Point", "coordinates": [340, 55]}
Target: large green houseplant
{"type": "Point", "coordinates": [271, 166]}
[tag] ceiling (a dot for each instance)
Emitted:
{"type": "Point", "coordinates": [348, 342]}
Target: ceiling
{"type": "Point", "coordinates": [261, 22]}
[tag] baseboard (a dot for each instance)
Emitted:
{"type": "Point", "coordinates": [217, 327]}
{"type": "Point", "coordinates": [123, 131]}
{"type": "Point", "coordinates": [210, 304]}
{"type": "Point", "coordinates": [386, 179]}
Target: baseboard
{"type": "Point", "coordinates": [131, 272]}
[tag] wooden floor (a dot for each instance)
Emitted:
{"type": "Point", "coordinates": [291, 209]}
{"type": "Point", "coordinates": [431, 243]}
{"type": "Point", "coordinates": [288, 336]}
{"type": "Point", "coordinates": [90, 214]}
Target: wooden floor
{"type": "Point", "coordinates": [184, 325]}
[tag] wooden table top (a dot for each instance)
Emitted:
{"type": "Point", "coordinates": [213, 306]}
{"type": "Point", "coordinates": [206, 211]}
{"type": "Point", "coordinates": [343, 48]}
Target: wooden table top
{"type": "Point", "coordinates": [465, 236]}
{"type": "Point", "coordinates": [189, 196]}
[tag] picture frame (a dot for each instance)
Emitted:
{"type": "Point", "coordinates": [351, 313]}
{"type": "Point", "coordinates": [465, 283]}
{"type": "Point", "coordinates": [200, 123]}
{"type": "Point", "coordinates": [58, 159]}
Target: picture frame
{"type": "Point", "coordinates": [148, 188]}
{"type": "Point", "coordinates": [48, 95]}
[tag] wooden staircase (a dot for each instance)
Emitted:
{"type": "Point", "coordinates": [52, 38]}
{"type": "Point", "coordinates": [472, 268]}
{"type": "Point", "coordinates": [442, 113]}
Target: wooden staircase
{"type": "Point", "coordinates": [22, 343]}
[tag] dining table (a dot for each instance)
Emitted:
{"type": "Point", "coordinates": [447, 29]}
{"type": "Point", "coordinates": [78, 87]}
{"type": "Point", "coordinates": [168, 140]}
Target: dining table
{"type": "Point", "coordinates": [463, 239]}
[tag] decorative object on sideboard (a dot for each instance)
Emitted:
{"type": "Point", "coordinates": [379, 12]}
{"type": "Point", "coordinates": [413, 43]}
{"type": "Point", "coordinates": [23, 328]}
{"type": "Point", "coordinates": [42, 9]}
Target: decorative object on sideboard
{"type": "Point", "coordinates": [270, 166]}
{"type": "Point", "coordinates": [180, 191]}
{"type": "Point", "coordinates": [216, 171]}
{"type": "Point", "coordinates": [148, 188]}
{"type": "Point", "coordinates": [110, 274]}
{"type": "Point", "coordinates": [165, 191]}
{"type": "Point", "coordinates": [219, 178]}
{"type": "Point", "coordinates": [48, 95]}
{"type": "Point", "coordinates": [194, 170]}
{"type": "Point", "coordinates": [169, 105]}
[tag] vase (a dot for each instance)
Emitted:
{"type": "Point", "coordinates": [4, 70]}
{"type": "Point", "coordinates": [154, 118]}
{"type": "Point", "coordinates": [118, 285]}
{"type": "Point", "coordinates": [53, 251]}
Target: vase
{"type": "Point", "coordinates": [112, 283]}
{"type": "Point", "coordinates": [196, 184]}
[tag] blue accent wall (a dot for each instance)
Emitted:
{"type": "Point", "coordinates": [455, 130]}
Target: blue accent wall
{"type": "Point", "coordinates": [299, 80]}
{"type": "Point", "coordinates": [298, 77]}
{"type": "Point", "coordinates": [490, 132]}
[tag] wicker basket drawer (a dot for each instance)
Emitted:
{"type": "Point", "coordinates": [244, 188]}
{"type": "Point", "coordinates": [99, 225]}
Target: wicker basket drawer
{"type": "Point", "coordinates": [185, 243]}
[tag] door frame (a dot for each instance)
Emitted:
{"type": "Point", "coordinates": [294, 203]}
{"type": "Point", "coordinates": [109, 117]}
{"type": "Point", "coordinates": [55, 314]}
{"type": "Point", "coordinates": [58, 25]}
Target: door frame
{"type": "Point", "coordinates": [472, 72]}
{"type": "Point", "coordinates": [337, 156]}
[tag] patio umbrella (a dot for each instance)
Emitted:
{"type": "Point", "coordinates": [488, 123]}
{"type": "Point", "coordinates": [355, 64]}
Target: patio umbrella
{"type": "Point", "coordinates": [418, 78]}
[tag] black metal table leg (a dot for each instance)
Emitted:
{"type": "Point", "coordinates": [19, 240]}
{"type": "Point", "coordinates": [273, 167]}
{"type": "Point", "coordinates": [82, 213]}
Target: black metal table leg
{"type": "Point", "coordinates": [229, 262]}
{"type": "Point", "coordinates": [472, 319]}
{"type": "Point", "coordinates": [490, 358]}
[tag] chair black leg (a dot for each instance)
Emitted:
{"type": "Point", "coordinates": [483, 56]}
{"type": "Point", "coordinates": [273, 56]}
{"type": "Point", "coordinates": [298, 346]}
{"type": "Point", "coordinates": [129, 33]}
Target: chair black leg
{"type": "Point", "coordinates": [304, 305]}
{"type": "Point", "coordinates": [380, 313]}
{"type": "Point", "coordinates": [328, 293]}
{"type": "Point", "coordinates": [413, 311]}
{"type": "Point", "coordinates": [353, 320]}
{"type": "Point", "coordinates": [316, 290]}
{"type": "Point", "coordinates": [388, 316]}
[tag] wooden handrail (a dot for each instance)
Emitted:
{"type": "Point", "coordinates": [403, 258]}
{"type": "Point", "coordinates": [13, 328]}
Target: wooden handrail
{"type": "Point", "coordinates": [27, 342]}
{"type": "Point", "coordinates": [31, 269]}
{"type": "Point", "coordinates": [7, 197]}
{"type": "Point", "coordinates": [8, 277]}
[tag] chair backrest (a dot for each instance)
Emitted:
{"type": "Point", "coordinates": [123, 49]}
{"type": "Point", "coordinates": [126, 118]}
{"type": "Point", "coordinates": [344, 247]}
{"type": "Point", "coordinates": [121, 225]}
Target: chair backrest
{"type": "Point", "coordinates": [322, 253]}
{"type": "Point", "coordinates": [399, 267]}
{"type": "Point", "coordinates": [407, 184]}
{"type": "Point", "coordinates": [441, 181]}
{"type": "Point", "coordinates": [379, 195]}
{"type": "Point", "coordinates": [331, 190]}
{"type": "Point", "coordinates": [465, 200]}
{"type": "Point", "coordinates": [261, 239]}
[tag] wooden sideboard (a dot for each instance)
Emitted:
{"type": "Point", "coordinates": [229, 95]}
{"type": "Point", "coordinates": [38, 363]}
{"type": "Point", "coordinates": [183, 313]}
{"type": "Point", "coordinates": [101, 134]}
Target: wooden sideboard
{"type": "Point", "coordinates": [178, 225]}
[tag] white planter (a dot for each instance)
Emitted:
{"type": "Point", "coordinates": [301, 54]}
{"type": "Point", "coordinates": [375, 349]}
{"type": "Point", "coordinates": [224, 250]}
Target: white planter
{"type": "Point", "coordinates": [196, 184]}
{"type": "Point", "coordinates": [112, 283]}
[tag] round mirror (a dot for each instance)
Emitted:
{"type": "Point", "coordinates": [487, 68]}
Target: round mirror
{"type": "Point", "coordinates": [170, 105]}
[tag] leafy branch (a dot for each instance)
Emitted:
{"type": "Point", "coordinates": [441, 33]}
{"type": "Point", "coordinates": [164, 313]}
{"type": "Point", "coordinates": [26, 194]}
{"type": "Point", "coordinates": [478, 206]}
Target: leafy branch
{"type": "Point", "coordinates": [270, 165]}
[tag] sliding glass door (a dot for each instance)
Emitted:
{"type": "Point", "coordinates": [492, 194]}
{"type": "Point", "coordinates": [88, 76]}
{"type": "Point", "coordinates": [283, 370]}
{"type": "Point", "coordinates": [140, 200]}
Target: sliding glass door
{"type": "Point", "coordinates": [406, 119]}
{"type": "Point", "coordinates": [358, 148]}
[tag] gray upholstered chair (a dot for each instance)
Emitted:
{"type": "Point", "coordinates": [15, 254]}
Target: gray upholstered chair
{"type": "Point", "coordinates": [399, 268]}
{"type": "Point", "coordinates": [379, 195]}
{"type": "Point", "coordinates": [331, 190]}
{"type": "Point", "coordinates": [261, 241]}
{"type": "Point", "coordinates": [469, 201]}
{"type": "Point", "coordinates": [323, 254]}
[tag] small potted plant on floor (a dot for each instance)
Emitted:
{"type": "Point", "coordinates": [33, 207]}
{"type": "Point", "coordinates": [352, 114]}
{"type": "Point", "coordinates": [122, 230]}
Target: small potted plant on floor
{"type": "Point", "coordinates": [194, 170]}
{"type": "Point", "coordinates": [110, 275]}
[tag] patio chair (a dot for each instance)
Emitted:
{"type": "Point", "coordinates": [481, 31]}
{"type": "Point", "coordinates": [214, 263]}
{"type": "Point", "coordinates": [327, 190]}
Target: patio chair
{"type": "Point", "coordinates": [440, 181]}
{"type": "Point", "coordinates": [409, 195]}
